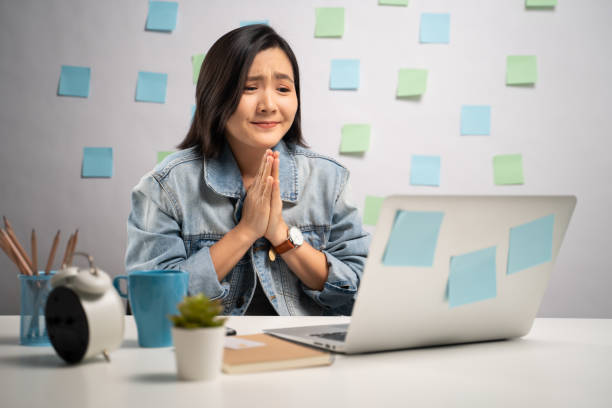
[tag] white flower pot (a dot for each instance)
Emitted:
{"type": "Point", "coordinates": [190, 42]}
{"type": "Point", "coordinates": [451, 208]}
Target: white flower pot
{"type": "Point", "coordinates": [199, 352]}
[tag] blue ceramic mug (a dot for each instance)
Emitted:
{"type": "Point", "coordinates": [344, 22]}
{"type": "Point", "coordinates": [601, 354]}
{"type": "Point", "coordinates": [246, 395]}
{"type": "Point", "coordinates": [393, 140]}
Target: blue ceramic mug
{"type": "Point", "coordinates": [154, 295]}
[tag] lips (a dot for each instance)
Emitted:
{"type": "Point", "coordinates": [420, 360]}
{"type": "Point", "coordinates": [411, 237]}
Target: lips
{"type": "Point", "coordinates": [265, 124]}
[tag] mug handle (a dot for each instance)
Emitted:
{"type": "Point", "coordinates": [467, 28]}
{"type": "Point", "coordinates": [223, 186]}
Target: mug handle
{"type": "Point", "coordinates": [118, 287]}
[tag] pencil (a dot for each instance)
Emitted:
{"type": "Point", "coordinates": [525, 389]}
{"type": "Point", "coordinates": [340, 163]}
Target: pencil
{"type": "Point", "coordinates": [7, 250]}
{"type": "Point", "coordinates": [52, 253]}
{"type": "Point", "coordinates": [18, 247]}
{"type": "Point", "coordinates": [67, 251]}
{"type": "Point", "coordinates": [34, 253]}
{"type": "Point", "coordinates": [73, 247]}
{"type": "Point", "coordinates": [21, 263]}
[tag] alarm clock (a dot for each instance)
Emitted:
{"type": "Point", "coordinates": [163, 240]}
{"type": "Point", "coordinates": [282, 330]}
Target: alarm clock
{"type": "Point", "coordinates": [84, 314]}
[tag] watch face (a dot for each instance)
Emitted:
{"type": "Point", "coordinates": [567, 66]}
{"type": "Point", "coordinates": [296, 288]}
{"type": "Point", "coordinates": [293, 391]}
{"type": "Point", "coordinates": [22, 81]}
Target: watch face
{"type": "Point", "coordinates": [295, 235]}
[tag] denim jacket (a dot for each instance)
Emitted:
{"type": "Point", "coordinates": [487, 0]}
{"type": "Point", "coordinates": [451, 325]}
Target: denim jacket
{"type": "Point", "coordinates": [188, 203]}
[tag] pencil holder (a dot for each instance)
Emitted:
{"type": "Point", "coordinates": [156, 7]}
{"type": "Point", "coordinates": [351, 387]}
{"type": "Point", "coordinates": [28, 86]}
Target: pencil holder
{"type": "Point", "coordinates": [34, 292]}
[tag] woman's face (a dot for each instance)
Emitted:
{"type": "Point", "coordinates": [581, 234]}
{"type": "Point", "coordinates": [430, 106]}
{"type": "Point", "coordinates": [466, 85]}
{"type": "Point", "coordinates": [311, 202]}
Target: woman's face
{"type": "Point", "coordinates": [268, 103]}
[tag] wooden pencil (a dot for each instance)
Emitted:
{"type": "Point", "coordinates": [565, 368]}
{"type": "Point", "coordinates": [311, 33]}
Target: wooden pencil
{"type": "Point", "coordinates": [18, 247]}
{"type": "Point", "coordinates": [52, 253]}
{"type": "Point", "coordinates": [21, 263]}
{"type": "Point", "coordinates": [34, 253]}
{"type": "Point", "coordinates": [7, 250]}
{"type": "Point", "coordinates": [67, 251]}
{"type": "Point", "coordinates": [73, 247]}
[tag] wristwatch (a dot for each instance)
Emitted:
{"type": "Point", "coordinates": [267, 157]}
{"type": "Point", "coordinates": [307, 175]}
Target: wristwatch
{"type": "Point", "coordinates": [294, 240]}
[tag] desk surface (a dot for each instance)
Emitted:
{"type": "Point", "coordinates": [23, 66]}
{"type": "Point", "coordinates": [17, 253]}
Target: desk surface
{"type": "Point", "coordinates": [561, 362]}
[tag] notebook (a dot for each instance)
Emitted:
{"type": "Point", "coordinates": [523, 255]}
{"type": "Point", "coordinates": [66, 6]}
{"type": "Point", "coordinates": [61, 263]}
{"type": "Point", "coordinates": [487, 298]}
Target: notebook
{"type": "Point", "coordinates": [274, 354]}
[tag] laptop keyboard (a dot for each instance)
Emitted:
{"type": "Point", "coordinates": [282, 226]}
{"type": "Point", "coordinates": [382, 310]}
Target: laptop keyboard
{"type": "Point", "coordinates": [338, 336]}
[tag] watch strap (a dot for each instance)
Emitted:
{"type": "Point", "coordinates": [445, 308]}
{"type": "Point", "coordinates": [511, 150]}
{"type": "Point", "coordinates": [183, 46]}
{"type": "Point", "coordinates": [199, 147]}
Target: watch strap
{"type": "Point", "coordinates": [284, 247]}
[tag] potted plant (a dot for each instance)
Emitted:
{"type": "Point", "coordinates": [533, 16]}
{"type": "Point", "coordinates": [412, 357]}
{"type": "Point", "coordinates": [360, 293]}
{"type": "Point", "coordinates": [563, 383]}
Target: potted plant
{"type": "Point", "coordinates": [198, 334]}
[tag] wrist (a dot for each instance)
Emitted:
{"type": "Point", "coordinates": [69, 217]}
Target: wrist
{"type": "Point", "coordinates": [280, 235]}
{"type": "Point", "coordinates": [245, 233]}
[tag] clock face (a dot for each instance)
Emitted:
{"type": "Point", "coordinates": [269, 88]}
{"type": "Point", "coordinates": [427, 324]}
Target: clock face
{"type": "Point", "coordinates": [296, 236]}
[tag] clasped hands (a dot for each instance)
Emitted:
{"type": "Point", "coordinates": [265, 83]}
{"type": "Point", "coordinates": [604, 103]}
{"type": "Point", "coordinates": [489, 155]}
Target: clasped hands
{"type": "Point", "coordinates": [262, 209]}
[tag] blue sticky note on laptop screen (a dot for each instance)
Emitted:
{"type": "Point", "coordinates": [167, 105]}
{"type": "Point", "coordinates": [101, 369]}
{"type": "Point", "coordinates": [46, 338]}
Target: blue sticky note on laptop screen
{"type": "Point", "coordinates": [413, 238]}
{"type": "Point", "coordinates": [531, 244]}
{"type": "Point", "coordinates": [472, 277]}
{"type": "Point", "coordinates": [97, 162]}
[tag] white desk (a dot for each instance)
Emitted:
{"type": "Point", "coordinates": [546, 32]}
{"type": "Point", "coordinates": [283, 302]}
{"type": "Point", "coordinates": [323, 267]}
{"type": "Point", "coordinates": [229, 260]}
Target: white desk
{"type": "Point", "coordinates": [562, 362]}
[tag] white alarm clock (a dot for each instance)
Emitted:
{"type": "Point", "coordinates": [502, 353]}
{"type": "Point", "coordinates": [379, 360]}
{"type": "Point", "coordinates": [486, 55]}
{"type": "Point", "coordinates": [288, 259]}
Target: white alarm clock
{"type": "Point", "coordinates": [84, 314]}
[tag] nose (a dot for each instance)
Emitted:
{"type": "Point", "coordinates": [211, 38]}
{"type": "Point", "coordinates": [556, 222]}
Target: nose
{"type": "Point", "coordinates": [266, 102]}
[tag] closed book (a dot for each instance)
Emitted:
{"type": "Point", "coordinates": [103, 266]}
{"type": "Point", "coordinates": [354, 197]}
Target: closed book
{"type": "Point", "coordinates": [275, 354]}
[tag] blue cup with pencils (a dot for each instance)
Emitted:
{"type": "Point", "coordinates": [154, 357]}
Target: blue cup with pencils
{"type": "Point", "coordinates": [35, 284]}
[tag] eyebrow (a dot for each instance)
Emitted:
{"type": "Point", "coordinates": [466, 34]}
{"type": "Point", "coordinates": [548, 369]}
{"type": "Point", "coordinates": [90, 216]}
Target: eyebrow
{"type": "Point", "coordinates": [277, 75]}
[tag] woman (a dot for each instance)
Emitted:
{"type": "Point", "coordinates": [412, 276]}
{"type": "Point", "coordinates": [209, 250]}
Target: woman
{"type": "Point", "coordinates": [256, 219]}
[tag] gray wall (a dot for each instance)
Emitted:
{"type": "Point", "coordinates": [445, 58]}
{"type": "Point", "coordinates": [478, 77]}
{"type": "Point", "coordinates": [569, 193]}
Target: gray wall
{"type": "Point", "coordinates": [561, 126]}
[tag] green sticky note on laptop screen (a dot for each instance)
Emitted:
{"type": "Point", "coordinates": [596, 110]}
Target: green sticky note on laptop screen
{"type": "Point", "coordinates": [531, 244]}
{"type": "Point", "coordinates": [413, 238]}
{"type": "Point", "coordinates": [472, 277]}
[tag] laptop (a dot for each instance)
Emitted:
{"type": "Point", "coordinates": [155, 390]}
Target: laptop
{"type": "Point", "coordinates": [407, 299]}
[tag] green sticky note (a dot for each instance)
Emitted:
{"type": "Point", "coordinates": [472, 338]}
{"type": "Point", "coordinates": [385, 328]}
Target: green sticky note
{"type": "Point", "coordinates": [355, 138]}
{"type": "Point", "coordinates": [508, 169]}
{"type": "Point", "coordinates": [372, 208]}
{"type": "Point", "coordinates": [329, 22]}
{"type": "Point", "coordinates": [521, 70]}
{"type": "Point", "coordinates": [393, 2]}
{"type": "Point", "coordinates": [162, 155]}
{"type": "Point", "coordinates": [540, 3]}
{"type": "Point", "coordinates": [411, 82]}
{"type": "Point", "coordinates": [196, 64]}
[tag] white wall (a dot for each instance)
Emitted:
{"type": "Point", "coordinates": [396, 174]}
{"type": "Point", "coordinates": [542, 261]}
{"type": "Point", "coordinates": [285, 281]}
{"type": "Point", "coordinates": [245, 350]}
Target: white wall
{"type": "Point", "coordinates": [561, 126]}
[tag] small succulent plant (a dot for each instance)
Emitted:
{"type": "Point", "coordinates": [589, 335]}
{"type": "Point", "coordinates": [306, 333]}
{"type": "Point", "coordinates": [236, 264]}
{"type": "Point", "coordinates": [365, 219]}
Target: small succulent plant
{"type": "Point", "coordinates": [198, 311]}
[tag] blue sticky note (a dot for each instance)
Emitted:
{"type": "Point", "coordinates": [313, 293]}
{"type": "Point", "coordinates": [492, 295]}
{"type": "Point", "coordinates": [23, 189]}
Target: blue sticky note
{"type": "Point", "coordinates": [193, 108]}
{"type": "Point", "coordinates": [475, 120]}
{"type": "Point", "coordinates": [531, 244]}
{"type": "Point", "coordinates": [162, 15]}
{"type": "Point", "coordinates": [425, 171]}
{"type": "Point", "coordinates": [344, 74]}
{"type": "Point", "coordinates": [151, 87]}
{"type": "Point", "coordinates": [413, 238]}
{"type": "Point", "coordinates": [74, 81]}
{"type": "Point", "coordinates": [97, 162]}
{"type": "Point", "coordinates": [253, 22]}
{"type": "Point", "coordinates": [435, 28]}
{"type": "Point", "coordinates": [472, 277]}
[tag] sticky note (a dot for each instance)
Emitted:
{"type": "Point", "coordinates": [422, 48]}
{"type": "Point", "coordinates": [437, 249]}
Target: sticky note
{"type": "Point", "coordinates": [355, 138]}
{"type": "Point", "coordinates": [411, 82]}
{"type": "Point", "coordinates": [329, 22]}
{"type": "Point", "coordinates": [344, 74]}
{"type": "Point", "coordinates": [521, 70]}
{"type": "Point", "coordinates": [508, 169]}
{"type": "Point", "coordinates": [97, 162]}
{"type": "Point", "coordinates": [372, 208]}
{"type": "Point", "coordinates": [540, 3]}
{"type": "Point", "coordinates": [425, 170]}
{"type": "Point", "coordinates": [472, 277]}
{"type": "Point", "coordinates": [253, 22]}
{"type": "Point", "coordinates": [435, 28]}
{"type": "Point", "coordinates": [196, 64]}
{"type": "Point", "coordinates": [238, 343]}
{"type": "Point", "coordinates": [475, 120]}
{"type": "Point", "coordinates": [531, 244]}
{"type": "Point", "coordinates": [151, 87]}
{"type": "Point", "coordinates": [162, 155]}
{"type": "Point", "coordinates": [162, 15]}
{"type": "Point", "coordinates": [74, 81]}
{"type": "Point", "coordinates": [393, 2]}
{"type": "Point", "coordinates": [193, 109]}
{"type": "Point", "coordinates": [413, 238]}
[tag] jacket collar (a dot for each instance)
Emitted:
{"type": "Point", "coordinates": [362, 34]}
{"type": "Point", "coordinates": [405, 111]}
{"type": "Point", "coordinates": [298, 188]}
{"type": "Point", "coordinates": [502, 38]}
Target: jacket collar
{"type": "Point", "coordinates": [223, 176]}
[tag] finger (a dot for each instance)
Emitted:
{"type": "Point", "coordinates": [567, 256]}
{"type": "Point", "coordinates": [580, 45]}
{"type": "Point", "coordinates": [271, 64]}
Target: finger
{"type": "Point", "coordinates": [260, 182]}
{"type": "Point", "coordinates": [275, 168]}
{"type": "Point", "coordinates": [262, 165]}
{"type": "Point", "coordinates": [268, 187]}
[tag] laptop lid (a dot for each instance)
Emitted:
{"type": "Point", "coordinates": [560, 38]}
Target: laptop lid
{"type": "Point", "coordinates": [406, 300]}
